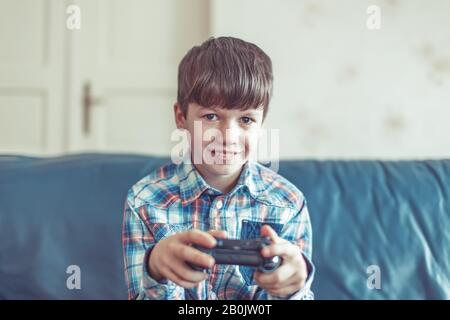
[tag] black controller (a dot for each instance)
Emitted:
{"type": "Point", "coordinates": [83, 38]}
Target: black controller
{"type": "Point", "coordinates": [241, 252]}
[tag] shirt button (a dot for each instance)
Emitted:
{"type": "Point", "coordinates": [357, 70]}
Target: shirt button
{"type": "Point", "coordinates": [219, 204]}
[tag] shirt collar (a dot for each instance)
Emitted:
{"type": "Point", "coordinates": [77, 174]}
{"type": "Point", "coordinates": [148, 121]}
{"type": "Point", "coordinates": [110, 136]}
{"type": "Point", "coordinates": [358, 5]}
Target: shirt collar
{"type": "Point", "coordinates": [250, 178]}
{"type": "Point", "coordinates": [192, 184]}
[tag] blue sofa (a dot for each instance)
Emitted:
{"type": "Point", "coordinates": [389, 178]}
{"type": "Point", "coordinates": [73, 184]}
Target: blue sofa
{"type": "Point", "coordinates": [57, 212]}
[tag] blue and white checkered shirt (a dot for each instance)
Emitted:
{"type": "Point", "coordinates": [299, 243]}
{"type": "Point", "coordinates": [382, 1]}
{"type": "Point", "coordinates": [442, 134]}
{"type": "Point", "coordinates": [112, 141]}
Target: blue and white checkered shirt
{"type": "Point", "coordinates": [176, 198]}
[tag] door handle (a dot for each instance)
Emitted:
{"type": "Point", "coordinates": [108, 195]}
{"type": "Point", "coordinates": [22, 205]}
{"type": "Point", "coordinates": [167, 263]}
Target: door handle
{"type": "Point", "coordinates": [88, 102]}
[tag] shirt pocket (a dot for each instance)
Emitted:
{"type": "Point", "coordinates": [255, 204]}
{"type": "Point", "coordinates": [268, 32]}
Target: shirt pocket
{"type": "Point", "coordinates": [252, 230]}
{"type": "Point", "coordinates": [163, 230]}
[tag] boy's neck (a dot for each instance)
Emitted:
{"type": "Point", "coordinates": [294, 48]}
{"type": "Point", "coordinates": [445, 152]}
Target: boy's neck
{"type": "Point", "coordinates": [223, 183]}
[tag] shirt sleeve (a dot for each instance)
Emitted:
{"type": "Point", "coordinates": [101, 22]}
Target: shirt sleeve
{"type": "Point", "coordinates": [298, 231]}
{"type": "Point", "coordinates": [137, 243]}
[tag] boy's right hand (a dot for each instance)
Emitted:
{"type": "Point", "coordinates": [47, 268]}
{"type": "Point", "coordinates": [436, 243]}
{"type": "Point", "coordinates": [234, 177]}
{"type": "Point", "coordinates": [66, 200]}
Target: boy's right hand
{"type": "Point", "coordinates": [168, 259]}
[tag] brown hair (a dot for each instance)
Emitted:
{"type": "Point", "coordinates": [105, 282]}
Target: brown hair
{"type": "Point", "coordinates": [225, 72]}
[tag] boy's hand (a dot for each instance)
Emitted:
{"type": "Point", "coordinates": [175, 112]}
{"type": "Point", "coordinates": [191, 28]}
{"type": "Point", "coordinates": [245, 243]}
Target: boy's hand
{"type": "Point", "coordinates": [290, 277]}
{"type": "Point", "coordinates": [169, 257]}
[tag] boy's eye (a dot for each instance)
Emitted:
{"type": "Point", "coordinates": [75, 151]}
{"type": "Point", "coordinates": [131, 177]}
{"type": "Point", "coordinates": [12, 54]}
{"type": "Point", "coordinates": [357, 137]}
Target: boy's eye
{"type": "Point", "coordinates": [247, 120]}
{"type": "Point", "coordinates": [210, 116]}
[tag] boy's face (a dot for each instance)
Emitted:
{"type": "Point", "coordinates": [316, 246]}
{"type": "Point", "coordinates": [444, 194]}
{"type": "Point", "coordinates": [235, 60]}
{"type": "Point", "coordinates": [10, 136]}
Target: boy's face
{"type": "Point", "coordinates": [222, 140]}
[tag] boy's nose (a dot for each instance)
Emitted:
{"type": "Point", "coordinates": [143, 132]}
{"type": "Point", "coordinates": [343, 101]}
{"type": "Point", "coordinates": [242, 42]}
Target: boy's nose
{"type": "Point", "coordinates": [231, 134]}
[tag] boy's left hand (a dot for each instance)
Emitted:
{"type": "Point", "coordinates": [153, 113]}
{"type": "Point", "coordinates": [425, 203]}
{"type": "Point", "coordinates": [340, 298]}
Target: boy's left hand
{"type": "Point", "coordinates": [290, 277]}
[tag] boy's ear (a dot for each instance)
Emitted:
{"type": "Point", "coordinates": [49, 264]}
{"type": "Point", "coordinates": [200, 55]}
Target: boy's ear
{"type": "Point", "coordinates": [180, 119]}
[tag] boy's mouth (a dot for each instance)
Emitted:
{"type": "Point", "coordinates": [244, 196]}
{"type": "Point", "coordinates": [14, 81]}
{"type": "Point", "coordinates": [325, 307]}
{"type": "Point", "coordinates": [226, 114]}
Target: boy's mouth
{"type": "Point", "coordinates": [225, 155]}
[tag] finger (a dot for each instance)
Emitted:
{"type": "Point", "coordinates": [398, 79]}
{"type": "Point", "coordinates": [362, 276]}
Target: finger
{"type": "Point", "coordinates": [299, 274]}
{"type": "Point", "coordinates": [198, 237]}
{"type": "Point", "coordinates": [183, 271]}
{"type": "Point", "coordinates": [267, 231]}
{"type": "Point", "coordinates": [195, 256]}
{"type": "Point", "coordinates": [186, 273]}
{"type": "Point", "coordinates": [283, 249]}
{"type": "Point", "coordinates": [172, 276]}
{"type": "Point", "coordinates": [284, 292]}
{"type": "Point", "coordinates": [295, 278]}
{"type": "Point", "coordinates": [278, 277]}
{"type": "Point", "coordinates": [218, 233]}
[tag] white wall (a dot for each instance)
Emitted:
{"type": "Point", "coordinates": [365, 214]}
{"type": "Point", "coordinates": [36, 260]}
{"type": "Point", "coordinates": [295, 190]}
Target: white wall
{"type": "Point", "coordinates": [344, 91]}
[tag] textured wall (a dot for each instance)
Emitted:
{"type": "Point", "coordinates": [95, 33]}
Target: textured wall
{"type": "Point", "coordinates": [344, 91]}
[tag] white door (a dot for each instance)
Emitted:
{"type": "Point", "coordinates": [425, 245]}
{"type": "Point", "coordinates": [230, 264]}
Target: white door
{"type": "Point", "coordinates": [123, 60]}
{"type": "Point", "coordinates": [31, 77]}
{"type": "Point", "coordinates": [123, 71]}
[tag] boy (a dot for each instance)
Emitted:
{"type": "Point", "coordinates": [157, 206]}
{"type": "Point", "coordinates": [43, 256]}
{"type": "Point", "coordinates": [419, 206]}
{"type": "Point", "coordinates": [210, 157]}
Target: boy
{"type": "Point", "coordinates": [224, 89]}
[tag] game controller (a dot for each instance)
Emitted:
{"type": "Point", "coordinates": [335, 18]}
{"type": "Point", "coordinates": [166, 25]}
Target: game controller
{"type": "Point", "coordinates": [241, 252]}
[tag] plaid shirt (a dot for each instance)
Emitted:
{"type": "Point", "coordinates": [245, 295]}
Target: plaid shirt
{"type": "Point", "coordinates": [176, 198]}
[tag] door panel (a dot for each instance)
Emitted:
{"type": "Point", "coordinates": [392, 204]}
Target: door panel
{"type": "Point", "coordinates": [31, 77]}
{"type": "Point", "coordinates": [128, 51]}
